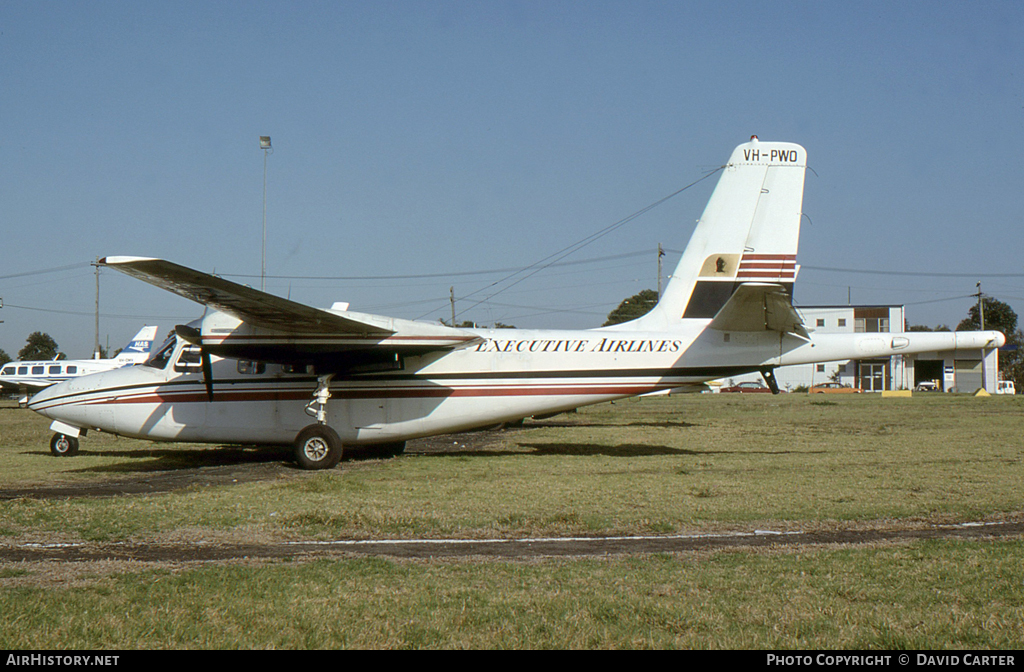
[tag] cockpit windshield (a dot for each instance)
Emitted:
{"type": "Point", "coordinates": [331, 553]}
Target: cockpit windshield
{"type": "Point", "coordinates": [163, 354]}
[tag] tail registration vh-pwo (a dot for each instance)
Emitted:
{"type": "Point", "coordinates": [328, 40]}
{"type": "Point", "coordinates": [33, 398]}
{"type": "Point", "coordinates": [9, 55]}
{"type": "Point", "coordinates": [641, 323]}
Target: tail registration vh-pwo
{"type": "Point", "coordinates": [260, 369]}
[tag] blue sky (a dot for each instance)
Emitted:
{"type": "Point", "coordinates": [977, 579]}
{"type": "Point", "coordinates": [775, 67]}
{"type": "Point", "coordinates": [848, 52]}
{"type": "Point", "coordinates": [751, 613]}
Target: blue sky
{"type": "Point", "coordinates": [419, 144]}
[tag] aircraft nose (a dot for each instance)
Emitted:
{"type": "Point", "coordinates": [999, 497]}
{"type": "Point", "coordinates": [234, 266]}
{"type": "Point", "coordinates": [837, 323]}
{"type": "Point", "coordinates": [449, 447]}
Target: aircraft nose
{"type": "Point", "coordinates": [41, 401]}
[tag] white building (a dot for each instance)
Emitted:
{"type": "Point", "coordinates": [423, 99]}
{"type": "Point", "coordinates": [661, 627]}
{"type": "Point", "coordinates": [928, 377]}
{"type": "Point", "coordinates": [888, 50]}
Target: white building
{"type": "Point", "coordinates": [950, 371]}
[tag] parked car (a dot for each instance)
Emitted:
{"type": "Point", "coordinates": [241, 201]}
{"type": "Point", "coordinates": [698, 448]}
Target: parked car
{"type": "Point", "coordinates": [747, 387]}
{"type": "Point", "coordinates": [833, 388]}
{"type": "Point", "coordinates": [927, 386]}
{"type": "Point", "coordinates": [1006, 387]}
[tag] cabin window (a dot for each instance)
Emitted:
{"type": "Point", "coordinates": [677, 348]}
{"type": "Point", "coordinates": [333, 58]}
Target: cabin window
{"type": "Point", "coordinates": [37, 370]}
{"type": "Point", "coordinates": [54, 370]}
{"type": "Point", "coordinates": [189, 360]}
{"type": "Point", "coordinates": [163, 355]}
{"type": "Point", "coordinates": [251, 368]}
{"type": "Point", "coordinates": [72, 369]}
{"type": "Point", "coordinates": [297, 368]}
{"type": "Point", "coordinates": [22, 370]}
{"type": "Point", "coordinates": [8, 370]}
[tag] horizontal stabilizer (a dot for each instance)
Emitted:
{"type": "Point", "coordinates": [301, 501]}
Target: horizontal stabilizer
{"type": "Point", "coordinates": [758, 306]}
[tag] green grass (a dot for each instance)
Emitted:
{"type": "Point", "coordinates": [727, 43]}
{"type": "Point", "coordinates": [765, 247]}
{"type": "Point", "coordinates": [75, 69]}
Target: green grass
{"type": "Point", "coordinates": [655, 465]}
{"type": "Point", "coordinates": [924, 596]}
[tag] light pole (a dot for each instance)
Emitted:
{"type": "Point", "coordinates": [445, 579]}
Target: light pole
{"type": "Point", "coordinates": [265, 146]}
{"type": "Point", "coordinates": [96, 348]}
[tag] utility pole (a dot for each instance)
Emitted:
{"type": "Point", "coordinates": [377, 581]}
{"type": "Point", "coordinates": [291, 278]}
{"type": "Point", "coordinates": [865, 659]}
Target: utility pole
{"type": "Point", "coordinates": [265, 146]}
{"type": "Point", "coordinates": [981, 309]}
{"type": "Point", "coordinates": [981, 323]}
{"type": "Point", "coordinates": [661, 253]}
{"type": "Point", "coordinates": [96, 344]}
{"type": "Point", "coordinates": [452, 294]}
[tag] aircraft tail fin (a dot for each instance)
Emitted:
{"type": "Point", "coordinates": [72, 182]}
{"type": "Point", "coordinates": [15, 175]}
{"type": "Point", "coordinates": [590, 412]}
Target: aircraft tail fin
{"type": "Point", "coordinates": [138, 349]}
{"type": "Point", "coordinates": [747, 236]}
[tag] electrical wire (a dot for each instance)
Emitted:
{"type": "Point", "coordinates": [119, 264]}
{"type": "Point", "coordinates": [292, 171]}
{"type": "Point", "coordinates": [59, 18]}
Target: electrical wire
{"type": "Point", "coordinates": [551, 259]}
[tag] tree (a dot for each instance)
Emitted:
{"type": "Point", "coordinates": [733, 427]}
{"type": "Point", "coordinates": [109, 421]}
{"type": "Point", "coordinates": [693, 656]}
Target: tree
{"type": "Point", "coordinates": [38, 346]}
{"type": "Point", "coordinates": [1001, 317]}
{"type": "Point", "coordinates": [4, 357]}
{"type": "Point", "coordinates": [998, 316]}
{"type": "Point", "coordinates": [470, 324]}
{"type": "Point", "coordinates": [633, 307]}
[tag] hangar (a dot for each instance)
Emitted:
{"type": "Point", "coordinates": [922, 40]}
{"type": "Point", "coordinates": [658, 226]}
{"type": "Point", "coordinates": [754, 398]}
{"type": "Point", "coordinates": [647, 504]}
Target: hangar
{"type": "Point", "coordinates": [949, 371]}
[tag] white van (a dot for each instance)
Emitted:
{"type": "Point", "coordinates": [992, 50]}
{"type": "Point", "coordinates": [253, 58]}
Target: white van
{"type": "Point", "coordinates": [1005, 387]}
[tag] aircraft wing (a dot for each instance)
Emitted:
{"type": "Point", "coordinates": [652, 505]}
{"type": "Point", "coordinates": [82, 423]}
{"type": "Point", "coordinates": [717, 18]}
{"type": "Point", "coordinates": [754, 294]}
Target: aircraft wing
{"type": "Point", "coordinates": [271, 328]}
{"type": "Point", "coordinates": [254, 307]}
{"type": "Point", "coordinates": [756, 306]}
{"type": "Point", "coordinates": [26, 386]}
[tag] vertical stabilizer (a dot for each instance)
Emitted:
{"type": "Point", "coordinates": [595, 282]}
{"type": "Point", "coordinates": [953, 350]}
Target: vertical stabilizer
{"type": "Point", "coordinates": [138, 349]}
{"type": "Point", "coordinates": [748, 234]}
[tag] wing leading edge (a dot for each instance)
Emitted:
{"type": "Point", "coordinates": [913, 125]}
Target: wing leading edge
{"type": "Point", "coordinates": [250, 324]}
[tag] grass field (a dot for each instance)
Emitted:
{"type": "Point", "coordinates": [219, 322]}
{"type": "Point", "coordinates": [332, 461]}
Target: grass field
{"type": "Point", "coordinates": [652, 466]}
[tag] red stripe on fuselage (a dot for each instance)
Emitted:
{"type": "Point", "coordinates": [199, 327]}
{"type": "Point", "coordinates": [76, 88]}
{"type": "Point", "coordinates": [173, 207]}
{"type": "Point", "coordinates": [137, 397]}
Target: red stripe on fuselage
{"type": "Point", "coordinates": [199, 395]}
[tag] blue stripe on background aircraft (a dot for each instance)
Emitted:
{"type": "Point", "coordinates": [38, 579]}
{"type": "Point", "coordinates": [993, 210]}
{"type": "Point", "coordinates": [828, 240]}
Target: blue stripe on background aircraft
{"type": "Point", "coordinates": [260, 369]}
{"type": "Point", "coordinates": [30, 377]}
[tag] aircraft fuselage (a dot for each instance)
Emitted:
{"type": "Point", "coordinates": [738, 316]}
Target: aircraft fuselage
{"type": "Point", "coordinates": [507, 375]}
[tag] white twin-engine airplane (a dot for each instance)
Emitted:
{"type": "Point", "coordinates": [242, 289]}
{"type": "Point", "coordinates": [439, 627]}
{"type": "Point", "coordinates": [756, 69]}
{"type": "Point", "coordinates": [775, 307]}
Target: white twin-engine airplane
{"type": "Point", "coordinates": [260, 369]}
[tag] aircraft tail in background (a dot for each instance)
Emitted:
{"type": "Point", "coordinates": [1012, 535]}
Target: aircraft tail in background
{"type": "Point", "coordinates": [138, 349]}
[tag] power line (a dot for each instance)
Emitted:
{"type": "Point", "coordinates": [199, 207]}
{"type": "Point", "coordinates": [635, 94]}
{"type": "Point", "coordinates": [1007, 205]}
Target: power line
{"type": "Point", "coordinates": [928, 274]}
{"type": "Point", "coordinates": [448, 274]}
{"type": "Point", "coordinates": [552, 259]}
{"type": "Point", "coordinates": [41, 271]}
{"type": "Point", "coordinates": [109, 315]}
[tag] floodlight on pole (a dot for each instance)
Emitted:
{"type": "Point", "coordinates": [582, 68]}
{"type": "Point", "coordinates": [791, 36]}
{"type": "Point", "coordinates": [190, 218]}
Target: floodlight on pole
{"type": "Point", "coordinates": [265, 146]}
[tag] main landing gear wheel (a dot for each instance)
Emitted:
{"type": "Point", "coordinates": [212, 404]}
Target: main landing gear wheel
{"type": "Point", "coordinates": [318, 447]}
{"type": "Point", "coordinates": [62, 445]}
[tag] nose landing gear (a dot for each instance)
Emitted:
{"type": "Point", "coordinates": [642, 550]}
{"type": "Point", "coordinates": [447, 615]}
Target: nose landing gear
{"type": "Point", "coordinates": [62, 445]}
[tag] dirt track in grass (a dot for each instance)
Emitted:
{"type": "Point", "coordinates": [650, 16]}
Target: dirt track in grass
{"type": "Point", "coordinates": [275, 464]}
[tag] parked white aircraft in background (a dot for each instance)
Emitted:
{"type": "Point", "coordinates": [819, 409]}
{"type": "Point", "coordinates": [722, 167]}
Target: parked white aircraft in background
{"type": "Point", "coordinates": [30, 377]}
{"type": "Point", "coordinates": [257, 368]}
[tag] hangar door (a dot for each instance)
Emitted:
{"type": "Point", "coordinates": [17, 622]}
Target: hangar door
{"type": "Point", "coordinates": [968, 374]}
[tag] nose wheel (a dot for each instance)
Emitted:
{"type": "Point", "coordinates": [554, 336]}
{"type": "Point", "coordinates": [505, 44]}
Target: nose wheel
{"type": "Point", "coordinates": [62, 445]}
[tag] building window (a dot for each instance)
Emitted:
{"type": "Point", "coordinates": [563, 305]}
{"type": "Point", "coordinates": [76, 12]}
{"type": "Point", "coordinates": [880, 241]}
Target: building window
{"type": "Point", "coordinates": [871, 325]}
{"type": "Point", "coordinates": [821, 368]}
{"type": "Point", "coordinates": [842, 321]}
{"type": "Point", "coordinates": [821, 322]}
